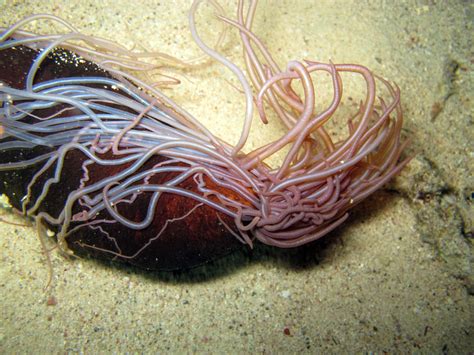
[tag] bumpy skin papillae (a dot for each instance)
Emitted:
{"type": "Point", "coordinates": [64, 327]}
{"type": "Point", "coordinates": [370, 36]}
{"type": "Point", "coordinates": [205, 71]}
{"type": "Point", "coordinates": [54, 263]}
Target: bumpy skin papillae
{"type": "Point", "coordinates": [121, 172]}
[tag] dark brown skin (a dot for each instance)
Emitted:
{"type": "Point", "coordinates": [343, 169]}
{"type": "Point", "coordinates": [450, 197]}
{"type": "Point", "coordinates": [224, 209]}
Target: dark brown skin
{"type": "Point", "coordinates": [184, 243]}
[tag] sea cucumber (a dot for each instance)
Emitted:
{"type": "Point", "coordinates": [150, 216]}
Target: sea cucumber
{"type": "Point", "coordinates": [119, 171]}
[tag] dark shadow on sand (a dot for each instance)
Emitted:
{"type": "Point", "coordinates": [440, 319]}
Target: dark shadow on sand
{"type": "Point", "coordinates": [302, 258]}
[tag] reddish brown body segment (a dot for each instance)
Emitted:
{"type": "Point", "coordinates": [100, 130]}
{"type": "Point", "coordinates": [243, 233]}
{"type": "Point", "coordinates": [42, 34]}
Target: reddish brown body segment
{"type": "Point", "coordinates": [182, 235]}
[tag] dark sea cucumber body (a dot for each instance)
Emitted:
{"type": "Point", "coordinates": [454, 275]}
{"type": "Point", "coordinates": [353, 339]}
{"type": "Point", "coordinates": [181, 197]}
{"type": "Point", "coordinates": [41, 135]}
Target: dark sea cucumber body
{"type": "Point", "coordinates": [184, 241]}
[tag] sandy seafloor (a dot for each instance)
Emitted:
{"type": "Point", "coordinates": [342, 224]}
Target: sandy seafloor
{"type": "Point", "coordinates": [397, 277]}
